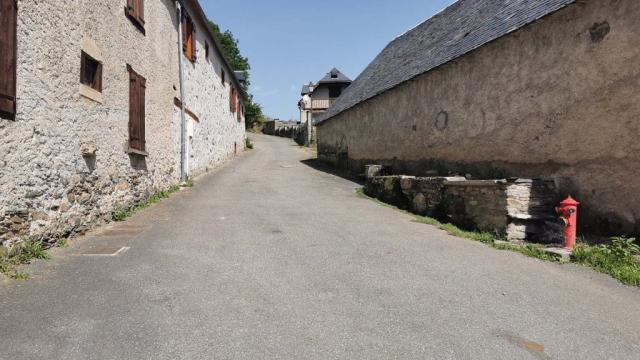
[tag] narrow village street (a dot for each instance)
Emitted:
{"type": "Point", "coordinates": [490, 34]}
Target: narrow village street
{"type": "Point", "coordinates": [270, 257]}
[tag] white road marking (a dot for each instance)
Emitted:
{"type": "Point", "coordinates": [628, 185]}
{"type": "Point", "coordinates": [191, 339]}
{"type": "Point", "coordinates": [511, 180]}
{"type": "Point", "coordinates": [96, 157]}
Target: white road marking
{"type": "Point", "coordinates": [122, 250]}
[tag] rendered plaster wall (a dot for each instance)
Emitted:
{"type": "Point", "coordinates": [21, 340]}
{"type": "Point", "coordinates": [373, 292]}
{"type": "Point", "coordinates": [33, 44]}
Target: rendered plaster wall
{"type": "Point", "coordinates": [47, 188]}
{"type": "Point", "coordinates": [557, 99]}
{"type": "Point", "coordinates": [217, 135]}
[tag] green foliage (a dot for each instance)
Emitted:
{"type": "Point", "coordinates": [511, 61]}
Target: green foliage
{"type": "Point", "coordinates": [122, 214]}
{"type": "Point", "coordinates": [616, 259]}
{"type": "Point", "coordinates": [253, 115]}
{"type": "Point", "coordinates": [188, 183]}
{"type": "Point", "coordinates": [231, 50]}
{"type": "Point", "coordinates": [248, 143]}
{"type": "Point", "coordinates": [233, 55]}
{"type": "Point", "coordinates": [21, 254]}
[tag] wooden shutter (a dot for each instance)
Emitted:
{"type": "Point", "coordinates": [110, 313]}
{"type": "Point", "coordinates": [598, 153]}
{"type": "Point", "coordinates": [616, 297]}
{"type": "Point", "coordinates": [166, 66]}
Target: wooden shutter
{"type": "Point", "coordinates": [135, 10]}
{"type": "Point", "coordinates": [194, 42]}
{"type": "Point", "coordinates": [141, 11]}
{"type": "Point", "coordinates": [232, 99]}
{"type": "Point", "coordinates": [8, 56]}
{"type": "Point", "coordinates": [137, 89]}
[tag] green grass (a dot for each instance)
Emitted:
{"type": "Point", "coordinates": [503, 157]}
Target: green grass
{"type": "Point", "coordinates": [19, 255]}
{"type": "Point", "coordinates": [617, 259]}
{"type": "Point", "coordinates": [122, 214]}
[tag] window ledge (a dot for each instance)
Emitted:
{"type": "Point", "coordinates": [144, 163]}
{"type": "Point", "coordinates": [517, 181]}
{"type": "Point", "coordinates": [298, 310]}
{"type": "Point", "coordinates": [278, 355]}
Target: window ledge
{"type": "Point", "coordinates": [91, 93]}
{"type": "Point", "coordinates": [132, 151]}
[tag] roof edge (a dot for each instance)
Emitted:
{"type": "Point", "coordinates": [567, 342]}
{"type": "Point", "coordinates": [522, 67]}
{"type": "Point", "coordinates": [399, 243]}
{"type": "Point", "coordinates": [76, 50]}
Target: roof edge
{"type": "Point", "coordinates": [385, 90]}
{"type": "Point", "coordinates": [202, 17]}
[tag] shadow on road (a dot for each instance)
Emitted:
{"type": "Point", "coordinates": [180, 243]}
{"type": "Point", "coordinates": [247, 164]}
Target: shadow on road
{"type": "Point", "coordinates": [324, 167]}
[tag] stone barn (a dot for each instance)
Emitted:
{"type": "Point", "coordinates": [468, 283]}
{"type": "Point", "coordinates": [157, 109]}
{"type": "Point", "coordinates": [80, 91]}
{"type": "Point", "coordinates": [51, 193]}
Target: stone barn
{"type": "Point", "coordinates": [506, 88]}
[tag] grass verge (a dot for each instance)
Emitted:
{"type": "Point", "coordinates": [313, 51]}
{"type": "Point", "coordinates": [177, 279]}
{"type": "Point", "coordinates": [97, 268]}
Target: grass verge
{"type": "Point", "coordinates": [19, 255]}
{"type": "Point", "coordinates": [619, 259]}
{"type": "Point", "coordinates": [122, 214]}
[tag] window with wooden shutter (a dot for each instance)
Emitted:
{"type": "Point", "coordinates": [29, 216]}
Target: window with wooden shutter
{"type": "Point", "coordinates": [232, 99]}
{"type": "Point", "coordinates": [188, 36]}
{"type": "Point", "coordinates": [8, 56]}
{"type": "Point", "coordinates": [239, 110]}
{"type": "Point", "coordinates": [135, 12]}
{"type": "Point", "coordinates": [137, 87]}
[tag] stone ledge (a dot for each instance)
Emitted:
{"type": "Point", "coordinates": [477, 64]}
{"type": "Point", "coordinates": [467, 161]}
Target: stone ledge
{"type": "Point", "coordinates": [479, 183]}
{"type": "Point", "coordinates": [562, 254]}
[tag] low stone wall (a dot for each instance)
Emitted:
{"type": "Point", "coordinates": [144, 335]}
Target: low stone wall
{"type": "Point", "coordinates": [518, 209]}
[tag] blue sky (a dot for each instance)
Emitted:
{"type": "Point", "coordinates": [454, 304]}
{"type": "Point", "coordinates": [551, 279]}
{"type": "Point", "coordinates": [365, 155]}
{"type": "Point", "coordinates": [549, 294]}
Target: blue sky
{"type": "Point", "coordinates": [290, 43]}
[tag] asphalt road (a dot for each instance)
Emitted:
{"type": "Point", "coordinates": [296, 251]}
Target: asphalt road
{"type": "Point", "coordinates": [270, 258]}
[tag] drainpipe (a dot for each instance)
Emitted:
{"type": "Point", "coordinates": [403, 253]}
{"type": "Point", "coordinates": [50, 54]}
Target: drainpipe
{"type": "Point", "coordinates": [184, 160]}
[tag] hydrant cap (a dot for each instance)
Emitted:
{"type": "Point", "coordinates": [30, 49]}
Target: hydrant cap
{"type": "Point", "coordinates": [569, 202]}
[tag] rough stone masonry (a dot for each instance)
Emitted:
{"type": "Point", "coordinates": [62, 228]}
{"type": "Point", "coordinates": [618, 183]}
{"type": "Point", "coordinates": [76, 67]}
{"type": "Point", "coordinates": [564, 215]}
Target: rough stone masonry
{"type": "Point", "coordinates": [64, 165]}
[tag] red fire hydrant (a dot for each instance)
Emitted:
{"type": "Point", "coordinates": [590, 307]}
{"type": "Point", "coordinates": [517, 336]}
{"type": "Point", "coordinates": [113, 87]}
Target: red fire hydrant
{"type": "Point", "coordinates": [568, 211]}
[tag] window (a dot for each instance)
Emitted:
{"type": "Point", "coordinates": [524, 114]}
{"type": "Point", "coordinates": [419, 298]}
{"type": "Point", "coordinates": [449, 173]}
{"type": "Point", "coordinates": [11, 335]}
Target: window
{"type": "Point", "coordinates": [8, 27]}
{"type": "Point", "coordinates": [232, 100]}
{"type": "Point", "coordinates": [222, 75]}
{"type": "Point", "coordinates": [91, 72]}
{"type": "Point", "coordinates": [240, 111]}
{"type": "Point", "coordinates": [188, 37]}
{"type": "Point", "coordinates": [137, 87]}
{"type": "Point", "coordinates": [135, 12]}
{"type": "Point", "coordinates": [335, 91]}
{"type": "Point", "coordinates": [206, 49]}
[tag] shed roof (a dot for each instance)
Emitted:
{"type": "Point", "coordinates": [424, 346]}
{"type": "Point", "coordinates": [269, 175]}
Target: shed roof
{"type": "Point", "coordinates": [459, 29]}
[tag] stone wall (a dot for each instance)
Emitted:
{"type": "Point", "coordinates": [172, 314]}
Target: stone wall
{"type": "Point", "coordinates": [547, 101]}
{"type": "Point", "coordinates": [217, 134]}
{"type": "Point", "coordinates": [63, 165]}
{"type": "Point", "coordinates": [518, 209]}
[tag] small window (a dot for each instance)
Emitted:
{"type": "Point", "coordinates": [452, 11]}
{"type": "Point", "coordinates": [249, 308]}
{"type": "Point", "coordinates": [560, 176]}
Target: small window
{"type": "Point", "coordinates": [91, 72]}
{"type": "Point", "coordinates": [206, 49]}
{"type": "Point", "coordinates": [135, 12]}
{"type": "Point", "coordinates": [222, 75]}
{"type": "Point", "coordinates": [335, 91]}
{"type": "Point", "coordinates": [188, 36]}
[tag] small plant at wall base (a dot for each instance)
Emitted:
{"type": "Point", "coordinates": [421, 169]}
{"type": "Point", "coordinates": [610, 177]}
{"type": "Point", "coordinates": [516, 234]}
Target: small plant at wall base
{"type": "Point", "coordinates": [19, 255]}
{"type": "Point", "coordinates": [618, 259]}
{"type": "Point", "coordinates": [248, 143]}
{"type": "Point", "coordinates": [127, 212]}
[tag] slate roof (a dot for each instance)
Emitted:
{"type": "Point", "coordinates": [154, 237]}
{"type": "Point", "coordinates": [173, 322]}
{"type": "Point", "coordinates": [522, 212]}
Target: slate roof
{"type": "Point", "coordinates": [460, 28]}
{"type": "Point", "coordinates": [334, 76]}
{"type": "Point", "coordinates": [305, 89]}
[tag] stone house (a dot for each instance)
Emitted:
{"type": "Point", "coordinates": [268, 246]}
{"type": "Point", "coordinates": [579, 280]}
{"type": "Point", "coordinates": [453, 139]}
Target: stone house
{"type": "Point", "coordinates": [91, 116]}
{"type": "Point", "coordinates": [506, 88]}
{"type": "Point", "coordinates": [318, 97]}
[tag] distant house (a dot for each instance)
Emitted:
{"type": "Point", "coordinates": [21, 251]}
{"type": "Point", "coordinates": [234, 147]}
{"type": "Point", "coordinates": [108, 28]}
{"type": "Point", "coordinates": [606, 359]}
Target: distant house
{"type": "Point", "coordinates": [506, 88]}
{"type": "Point", "coordinates": [317, 98]}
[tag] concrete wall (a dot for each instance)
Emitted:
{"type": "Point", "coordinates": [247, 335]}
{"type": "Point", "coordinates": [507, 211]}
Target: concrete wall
{"type": "Point", "coordinates": [47, 188]}
{"type": "Point", "coordinates": [556, 99]}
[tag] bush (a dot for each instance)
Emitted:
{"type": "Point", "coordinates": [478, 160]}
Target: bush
{"type": "Point", "coordinates": [248, 143]}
